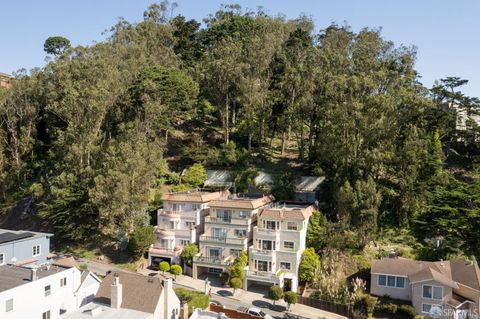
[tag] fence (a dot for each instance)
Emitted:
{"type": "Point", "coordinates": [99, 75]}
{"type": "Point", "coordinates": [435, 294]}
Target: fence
{"type": "Point", "coordinates": [340, 309]}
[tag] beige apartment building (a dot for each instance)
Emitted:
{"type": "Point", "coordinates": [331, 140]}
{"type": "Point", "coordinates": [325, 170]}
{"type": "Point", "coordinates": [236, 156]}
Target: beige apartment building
{"type": "Point", "coordinates": [279, 240]}
{"type": "Point", "coordinates": [180, 222]}
{"type": "Point", "coordinates": [228, 231]}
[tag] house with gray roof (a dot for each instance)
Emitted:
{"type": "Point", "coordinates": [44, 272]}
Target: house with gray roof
{"type": "Point", "coordinates": [24, 248]}
{"type": "Point", "coordinates": [434, 288]}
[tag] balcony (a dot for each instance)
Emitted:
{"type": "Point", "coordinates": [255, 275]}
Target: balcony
{"type": "Point", "coordinates": [227, 221]}
{"type": "Point", "coordinates": [223, 240]}
{"type": "Point", "coordinates": [212, 260]}
{"type": "Point", "coordinates": [261, 253]}
{"type": "Point", "coordinates": [261, 275]}
{"type": "Point", "coordinates": [261, 233]}
{"type": "Point", "coordinates": [164, 251]}
{"type": "Point", "coordinates": [165, 233]}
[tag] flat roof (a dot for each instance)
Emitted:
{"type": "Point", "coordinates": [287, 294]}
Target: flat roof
{"type": "Point", "coordinates": [7, 235]}
{"type": "Point", "coordinates": [94, 310]}
{"type": "Point", "coordinates": [14, 276]}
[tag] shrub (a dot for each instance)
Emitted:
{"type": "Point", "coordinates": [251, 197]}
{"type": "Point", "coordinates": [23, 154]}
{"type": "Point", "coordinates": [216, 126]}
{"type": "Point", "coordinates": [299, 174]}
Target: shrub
{"type": "Point", "coordinates": [224, 277]}
{"type": "Point", "coordinates": [290, 298]}
{"type": "Point", "coordinates": [164, 266]}
{"type": "Point", "coordinates": [236, 283]}
{"type": "Point", "coordinates": [188, 252]}
{"type": "Point", "coordinates": [193, 298]}
{"type": "Point", "coordinates": [140, 239]}
{"type": "Point", "coordinates": [407, 310]}
{"type": "Point", "coordinates": [275, 293]}
{"type": "Point", "coordinates": [176, 270]}
{"type": "Point", "coordinates": [367, 304]}
{"type": "Point", "coordinates": [195, 175]}
{"type": "Point", "coordinates": [389, 308]}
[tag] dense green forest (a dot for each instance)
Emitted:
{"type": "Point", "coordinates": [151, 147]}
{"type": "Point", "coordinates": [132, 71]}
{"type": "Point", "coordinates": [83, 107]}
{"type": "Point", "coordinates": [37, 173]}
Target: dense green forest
{"type": "Point", "coordinates": [91, 133]}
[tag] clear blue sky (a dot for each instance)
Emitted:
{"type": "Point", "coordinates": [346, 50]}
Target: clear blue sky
{"type": "Point", "coordinates": [446, 32]}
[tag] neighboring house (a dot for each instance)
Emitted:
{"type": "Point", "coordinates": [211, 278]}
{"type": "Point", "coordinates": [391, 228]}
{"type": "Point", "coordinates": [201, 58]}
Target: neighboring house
{"type": "Point", "coordinates": [180, 222]}
{"type": "Point", "coordinates": [228, 231]}
{"type": "Point", "coordinates": [279, 240]}
{"type": "Point", "coordinates": [450, 285]}
{"type": "Point", "coordinates": [218, 178]}
{"type": "Point", "coordinates": [308, 189]}
{"type": "Point", "coordinates": [44, 292]}
{"type": "Point", "coordinates": [126, 295]}
{"type": "Point", "coordinates": [24, 248]}
{"type": "Point", "coordinates": [463, 116]}
{"type": "Point", "coordinates": [5, 81]}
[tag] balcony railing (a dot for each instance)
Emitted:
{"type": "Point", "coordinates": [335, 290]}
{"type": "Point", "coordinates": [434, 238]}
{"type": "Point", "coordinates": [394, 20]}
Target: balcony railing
{"type": "Point", "coordinates": [232, 221]}
{"type": "Point", "coordinates": [224, 240]}
{"type": "Point", "coordinates": [262, 275]}
{"type": "Point", "coordinates": [210, 260]}
{"type": "Point", "coordinates": [262, 252]}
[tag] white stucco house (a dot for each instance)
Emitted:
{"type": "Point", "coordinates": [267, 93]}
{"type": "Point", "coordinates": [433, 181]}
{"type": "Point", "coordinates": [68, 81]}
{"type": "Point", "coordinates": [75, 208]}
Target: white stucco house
{"type": "Point", "coordinates": [279, 240]}
{"type": "Point", "coordinates": [46, 292]}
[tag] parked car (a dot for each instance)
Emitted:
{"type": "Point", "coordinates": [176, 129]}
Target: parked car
{"type": "Point", "coordinates": [255, 312]}
{"type": "Point", "coordinates": [216, 303]}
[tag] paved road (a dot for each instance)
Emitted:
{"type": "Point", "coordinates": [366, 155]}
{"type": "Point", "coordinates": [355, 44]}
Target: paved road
{"type": "Point", "coordinates": [224, 295]}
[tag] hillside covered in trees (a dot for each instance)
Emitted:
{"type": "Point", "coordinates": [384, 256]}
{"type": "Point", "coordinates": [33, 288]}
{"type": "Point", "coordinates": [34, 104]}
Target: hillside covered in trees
{"type": "Point", "coordinates": [88, 136]}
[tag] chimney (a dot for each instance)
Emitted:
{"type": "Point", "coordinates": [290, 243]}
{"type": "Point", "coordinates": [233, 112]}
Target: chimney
{"type": "Point", "coordinates": [184, 311]}
{"type": "Point", "coordinates": [33, 274]}
{"type": "Point", "coordinates": [116, 292]}
{"type": "Point", "coordinates": [168, 287]}
{"type": "Point", "coordinates": [392, 253]}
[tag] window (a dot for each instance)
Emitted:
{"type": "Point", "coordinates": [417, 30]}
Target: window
{"type": "Point", "coordinates": [9, 305]}
{"type": "Point", "coordinates": [189, 224]}
{"type": "Point", "coordinates": [36, 250]}
{"type": "Point", "coordinates": [2, 259]}
{"type": "Point", "coordinates": [48, 290]}
{"type": "Point", "coordinates": [288, 244]}
{"type": "Point", "coordinates": [432, 292]}
{"type": "Point", "coordinates": [219, 232]}
{"type": "Point", "coordinates": [242, 233]}
{"type": "Point", "coordinates": [400, 282]}
{"type": "Point", "coordinates": [224, 214]}
{"type": "Point", "coordinates": [262, 265]}
{"type": "Point", "coordinates": [391, 281]}
{"type": "Point", "coordinates": [244, 214]}
{"type": "Point", "coordinates": [285, 265]}
{"type": "Point", "coordinates": [267, 245]}
{"type": "Point", "coordinates": [426, 307]}
{"type": "Point", "coordinates": [292, 226]}
{"type": "Point", "coordinates": [235, 252]}
{"type": "Point", "coordinates": [215, 252]}
{"type": "Point", "coordinates": [63, 282]}
{"type": "Point", "coordinates": [184, 242]}
{"type": "Point", "coordinates": [174, 207]}
{"type": "Point", "coordinates": [196, 206]}
{"type": "Point", "coordinates": [270, 224]}
{"type": "Point", "coordinates": [46, 315]}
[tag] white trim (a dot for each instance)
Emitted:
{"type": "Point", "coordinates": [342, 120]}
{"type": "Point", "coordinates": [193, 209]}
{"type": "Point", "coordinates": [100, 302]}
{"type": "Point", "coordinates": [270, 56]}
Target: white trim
{"type": "Point", "coordinates": [380, 273]}
{"type": "Point", "coordinates": [386, 281]}
{"type": "Point", "coordinates": [288, 241]}
{"type": "Point", "coordinates": [285, 262]}
{"type": "Point", "coordinates": [433, 294]}
{"type": "Point", "coordinates": [39, 250]}
{"type": "Point", "coordinates": [431, 305]}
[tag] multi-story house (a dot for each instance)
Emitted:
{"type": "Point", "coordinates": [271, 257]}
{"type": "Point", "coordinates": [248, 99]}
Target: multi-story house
{"type": "Point", "coordinates": [180, 222]}
{"type": "Point", "coordinates": [442, 289]}
{"type": "Point", "coordinates": [228, 231]}
{"type": "Point", "coordinates": [24, 248]}
{"type": "Point", "coordinates": [279, 240]}
{"type": "Point", "coordinates": [45, 292]}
